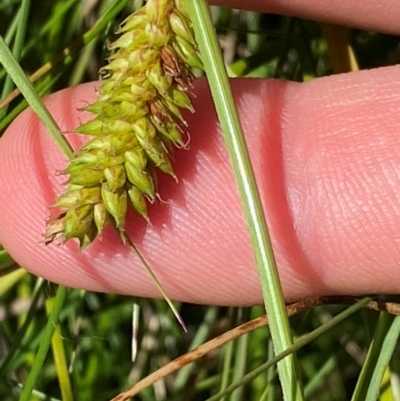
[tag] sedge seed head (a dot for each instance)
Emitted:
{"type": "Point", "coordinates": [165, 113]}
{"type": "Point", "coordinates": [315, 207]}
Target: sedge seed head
{"type": "Point", "coordinates": [136, 121]}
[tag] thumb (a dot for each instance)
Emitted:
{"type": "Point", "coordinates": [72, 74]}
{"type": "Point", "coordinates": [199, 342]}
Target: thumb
{"type": "Point", "coordinates": [326, 155]}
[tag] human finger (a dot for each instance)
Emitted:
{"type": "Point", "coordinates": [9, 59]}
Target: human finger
{"type": "Point", "coordinates": [326, 154]}
{"type": "Point", "coordinates": [380, 16]}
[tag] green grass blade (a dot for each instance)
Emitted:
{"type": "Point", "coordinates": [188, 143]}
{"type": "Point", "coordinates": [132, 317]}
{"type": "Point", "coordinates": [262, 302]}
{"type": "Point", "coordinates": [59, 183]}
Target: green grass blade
{"type": "Point", "coordinates": [240, 364]}
{"type": "Point", "coordinates": [66, 56]}
{"type": "Point", "coordinates": [307, 338]}
{"type": "Point", "coordinates": [16, 73]}
{"type": "Point", "coordinates": [44, 344]}
{"type": "Point", "coordinates": [270, 388]}
{"type": "Point", "coordinates": [42, 89]}
{"type": "Point", "coordinates": [227, 367]}
{"type": "Point", "coordinates": [60, 359]}
{"type": "Point", "coordinates": [11, 31]}
{"type": "Point", "coordinates": [11, 279]}
{"type": "Point", "coordinates": [200, 337]}
{"type": "Point", "coordinates": [5, 259]}
{"type": "Point", "coordinates": [135, 330]}
{"type": "Point", "coordinates": [112, 10]}
{"type": "Point", "coordinates": [385, 339]}
{"type": "Point", "coordinates": [16, 345]}
{"type": "Point", "coordinates": [38, 395]}
{"type": "Point", "coordinates": [17, 47]}
{"type": "Point", "coordinates": [56, 19]}
{"type": "Point", "coordinates": [318, 380]}
{"type": "Point", "coordinates": [240, 159]}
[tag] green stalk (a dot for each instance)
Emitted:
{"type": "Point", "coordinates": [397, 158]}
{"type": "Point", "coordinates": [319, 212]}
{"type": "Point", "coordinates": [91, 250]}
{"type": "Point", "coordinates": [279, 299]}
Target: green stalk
{"type": "Point", "coordinates": [227, 366]}
{"type": "Point", "coordinates": [379, 354]}
{"type": "Point", "coordinates": [201, 335]}
{"type": "Point", "coordinates": [67, 55]}
{"type": "Point", "coordinates": [239, 368]}
{"type": "Point", "coordinates": [17, 47]}
{"type": "Point", "coordinates": [16, 73]}
{"type": "Point", "coordinates": [60, 359]}
{"type": "Point", "coordinates": [44, 344]}
{"type": "Point", "coordinates": [252, 206]}
{"type": "Point", "coordinates": [17, 345]}
{"type": "Point", "coordinates": [42, 89]}
{"type": "Point", "coordinates": [304, 340]}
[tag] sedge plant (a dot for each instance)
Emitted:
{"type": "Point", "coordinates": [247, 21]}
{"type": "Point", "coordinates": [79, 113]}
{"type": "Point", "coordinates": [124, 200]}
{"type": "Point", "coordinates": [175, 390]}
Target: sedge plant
{"type": "Point", "coordinates": [137, 121]}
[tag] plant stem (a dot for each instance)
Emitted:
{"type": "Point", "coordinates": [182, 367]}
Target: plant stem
{"type": "Point", "coordinates": [252, 206]}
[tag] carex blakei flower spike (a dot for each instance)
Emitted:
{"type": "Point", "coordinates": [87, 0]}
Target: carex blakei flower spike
{"type": "Point", "coordinates": [137, 121]}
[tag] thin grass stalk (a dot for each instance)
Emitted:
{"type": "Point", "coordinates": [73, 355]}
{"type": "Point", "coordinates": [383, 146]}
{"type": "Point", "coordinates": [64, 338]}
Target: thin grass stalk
{"type": "Point", "coordinates": [239, 368]}
{"type": "Point", "coordinates": [44, 29]}
{"type": "Point", "coordinates": [44, 344]}
{"type": "Point", "coordinates": [135, 330]}
{"type": "Point", "coordinates": [379, 354]}
{"type": "Point", "coordinates": [200, 337]}
{"type": "Point", "coordinates": [42, 89]}
{"type": "Point", "coordinates": [86, 54]}
{"type": "Point", "coordinates": [35, 393]}
{"type": "Point", "coordinates": [5, 260]}
{"type": "Point", "coordinates": [11, 278]}
{"type": "Point", "coordinates": [10, 33]}
{"type": "Point", "coordinates": [265, 394]}
{"type": "Point", "coordinates": [60, 359]}
{"type": "Point", "coordinates": [66, 56]}
{"type": "Point", "coordinates": [107, 15]}
{"type": "Point", "coordinates": [307, 338]}
{"type": "Point", "coordinates": [16, 345]}
{"type": "Point", "coordinates": [317, 382]}
{"type": "Point", "coordinates": [240, 159]}
{"type": "Point", "coordinates": [386, 392]}
{"type": "Point", "coordinates": [16, 73]}
{"type": "Point", "coordinates": [341, 53]}
{"type": "Point", "coordinates": [272, 373]}
{"type": "Point", "coordinates": [23, 291]}
{"type": "Point", "coordinates": [227, 366]}
{"type": "Point", "coordinates": [23, 14]}
{"type": "Point", "coordinates": [254, 24]}
{"type": "Point", "coordinates": [82, 63]}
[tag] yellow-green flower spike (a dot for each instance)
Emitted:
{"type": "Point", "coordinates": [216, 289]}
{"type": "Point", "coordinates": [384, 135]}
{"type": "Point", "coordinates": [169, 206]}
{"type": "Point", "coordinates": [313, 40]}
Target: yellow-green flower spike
{"type": "Point", "coordinates": [115, 177]}
{"type": "Point", "coordinates": [140, 179]}
{"type": "Point", "coordinates": [116, 204]}
{"type": "Point", "coordinates": [89, 236]}
{"type": "Point", "coordinates": [77, 221]}
{"type": "Point", "coordinates": [100, 216]}
{"type": "Point", "coordinates": [138, 201]}
{"type": "Point", "coordinates": [137, 120]}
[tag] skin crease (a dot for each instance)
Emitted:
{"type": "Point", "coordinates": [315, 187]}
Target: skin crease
{"type": "Point", "coordinates": [326, 155]}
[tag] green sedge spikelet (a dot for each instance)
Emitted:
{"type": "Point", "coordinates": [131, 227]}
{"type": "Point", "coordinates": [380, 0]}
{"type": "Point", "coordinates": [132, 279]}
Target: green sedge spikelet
{"type": "Point", "coordinates": [137, 119]}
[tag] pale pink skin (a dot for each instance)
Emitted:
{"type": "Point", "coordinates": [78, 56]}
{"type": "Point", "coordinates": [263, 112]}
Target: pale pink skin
{"type": "Point", "coordinates": [327, 159]}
